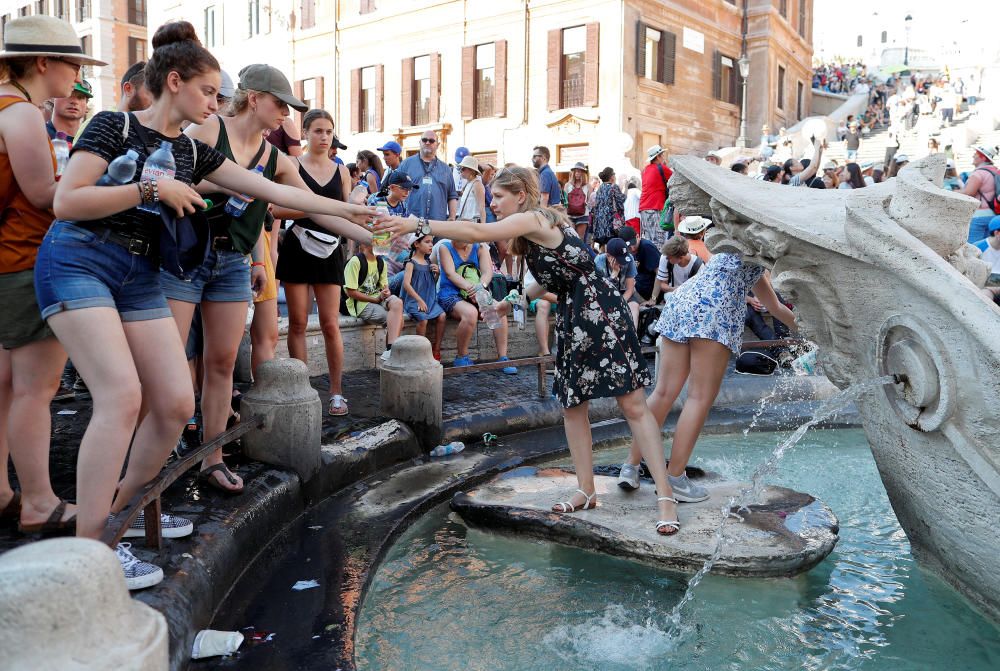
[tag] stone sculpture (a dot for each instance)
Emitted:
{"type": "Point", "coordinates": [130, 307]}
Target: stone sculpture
{"type": "Point", "coordinates": [884, 281]}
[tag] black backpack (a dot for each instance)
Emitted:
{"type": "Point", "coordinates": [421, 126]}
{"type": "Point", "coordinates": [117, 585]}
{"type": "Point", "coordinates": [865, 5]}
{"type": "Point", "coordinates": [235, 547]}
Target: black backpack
{"type": "Point", "coordinates": [698, 263]}
{"type": "Point", "coordinates": [362, 276]}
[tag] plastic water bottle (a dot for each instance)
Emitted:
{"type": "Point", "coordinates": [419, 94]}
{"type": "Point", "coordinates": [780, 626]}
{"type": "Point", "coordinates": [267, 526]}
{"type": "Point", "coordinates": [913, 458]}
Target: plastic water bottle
{"type": "Point", "coordinates": [517, 308]}
{"type": "Point", "coordinates": [121, 170]}
{"type": "Point", "coordinates": [805, 364]}
{"type": "Point", "coordinates": [160, 166]}
{"type": "Point", "coordinates": [236, 206]}
{"type": "Point", "coordinates": [61, 146]}
{"type": "Point", "coordinates": [488, 308]}
{"type": "Point", "coordinates": [453, 447]}
{"type": "Point", "coordinates": [382, 242]}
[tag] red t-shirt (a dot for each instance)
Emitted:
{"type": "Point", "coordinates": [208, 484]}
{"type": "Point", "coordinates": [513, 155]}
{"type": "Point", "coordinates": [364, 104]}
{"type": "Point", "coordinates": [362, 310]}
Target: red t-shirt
{"type": "Point", "coordinates": [654, 190]}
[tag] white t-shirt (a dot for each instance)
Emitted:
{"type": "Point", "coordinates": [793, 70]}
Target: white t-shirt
{"type": "Point", "coordinates": [992, 257]}
{"type": "Point", "coordinates": [632, 204]}
{"type": "Point", "coordinates": [681, 273]}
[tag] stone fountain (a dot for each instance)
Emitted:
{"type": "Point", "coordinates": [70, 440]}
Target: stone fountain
{"type": "Point", "coordinates": [883, 280]}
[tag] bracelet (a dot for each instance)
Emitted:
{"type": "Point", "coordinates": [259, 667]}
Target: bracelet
{"type": "Point", "coordinates": [257, 263]}
{"type": "Point", "coordinates": [139, 187]}
{"type": "Point", "coordinates": [146, 192]}
{"type": "Point", "coordinates": [156, 191]}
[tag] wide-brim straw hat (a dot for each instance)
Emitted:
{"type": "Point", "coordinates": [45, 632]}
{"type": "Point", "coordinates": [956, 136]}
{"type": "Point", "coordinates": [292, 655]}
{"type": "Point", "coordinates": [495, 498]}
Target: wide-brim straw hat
{"type": "Point", "coordinates": [471, 163]}
{"type": "Point", "coordinates": [44, 36]}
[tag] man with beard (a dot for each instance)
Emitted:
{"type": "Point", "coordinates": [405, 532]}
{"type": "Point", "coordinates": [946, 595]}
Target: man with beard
{"type": "Point", "coordinates": [134, 94]}
{"type": "Point", "coordinates": [436, 197]}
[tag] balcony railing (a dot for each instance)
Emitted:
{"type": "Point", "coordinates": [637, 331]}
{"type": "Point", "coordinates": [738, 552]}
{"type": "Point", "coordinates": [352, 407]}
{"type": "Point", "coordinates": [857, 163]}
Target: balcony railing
{"type": "Point", "coordinates": [572, 92]}
{"type": "Point", "coordinates": [484, 103]}
{"type": "Point", "coordinates": [368, 121]}
{"type": "Point", "coordinates": [422, 112]}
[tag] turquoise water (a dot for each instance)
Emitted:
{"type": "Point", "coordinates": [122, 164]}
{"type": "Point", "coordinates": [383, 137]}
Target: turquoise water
{"type": "Point", "coordinates": [451, 597]}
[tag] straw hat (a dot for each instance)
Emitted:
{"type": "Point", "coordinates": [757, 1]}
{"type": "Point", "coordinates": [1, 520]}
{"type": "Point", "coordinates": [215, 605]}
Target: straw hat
{"type": "Point", "coordinates": [44, 36]}
{"type": "Point", "coordinates": [471, 163]}
{"type": "Point", "coordinates": [693, 225]}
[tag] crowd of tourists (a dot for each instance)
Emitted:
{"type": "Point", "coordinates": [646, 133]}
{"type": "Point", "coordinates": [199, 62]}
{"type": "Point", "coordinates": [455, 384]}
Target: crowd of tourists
{"type": "Point", "coordinates": [132, 244]}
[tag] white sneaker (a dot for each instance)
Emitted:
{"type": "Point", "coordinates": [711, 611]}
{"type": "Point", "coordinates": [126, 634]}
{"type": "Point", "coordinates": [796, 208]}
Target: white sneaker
{"type": "Point", "coordinates": [138, 574]}
{"type": "Point", "coordinates": [628, 478]}
{"type": "Point", "coordinates": [385, 355]}
{"type": "Point", "coordinates": [170, 526]}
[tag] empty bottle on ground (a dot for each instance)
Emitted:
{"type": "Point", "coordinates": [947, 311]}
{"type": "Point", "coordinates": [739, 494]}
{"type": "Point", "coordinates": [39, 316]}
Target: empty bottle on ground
{"type": "Point", "coordinates": [451, 448]}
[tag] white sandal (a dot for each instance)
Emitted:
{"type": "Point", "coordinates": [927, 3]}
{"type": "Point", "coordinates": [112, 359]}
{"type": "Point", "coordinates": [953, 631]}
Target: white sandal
{"type": "Point", "coordinates": [663, 524]}
{"type": "Point", "coordinates": [568, 507]}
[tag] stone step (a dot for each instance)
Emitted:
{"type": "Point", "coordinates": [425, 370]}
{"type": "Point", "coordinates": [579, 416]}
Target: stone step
{"type": "Point", "coordinates": [788, 533]}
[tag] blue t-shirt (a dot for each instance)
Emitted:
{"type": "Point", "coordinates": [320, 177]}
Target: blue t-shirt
{"type": "Point", "coordinates": [647, 258]}
{"type": "Point", "coordinates": [548, 183]}
{"type": "Point", "coordinates": [446, 287]}
{"type": "Point", "coordinates": [436, 187]}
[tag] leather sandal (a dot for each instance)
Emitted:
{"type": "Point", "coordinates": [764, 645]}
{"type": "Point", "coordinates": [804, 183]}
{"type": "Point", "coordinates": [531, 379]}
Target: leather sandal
{"type": "Point", "coordinates": [55, 523]}
{"type": "Point", "coordinates": [663, 526]}
{"type": "Point", "coordinates": [12, 511]}
{"type": "Point", "coordinates": [568, 507]}
{"type": "Point", "coordinates": [205, 476]}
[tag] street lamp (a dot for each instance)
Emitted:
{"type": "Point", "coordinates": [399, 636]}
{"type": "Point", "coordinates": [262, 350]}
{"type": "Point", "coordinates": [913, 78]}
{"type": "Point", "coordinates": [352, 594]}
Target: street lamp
{"type": "Point", "coordinates": [744, 64]}
{"type": "Point", "coordinates": [906, 52]}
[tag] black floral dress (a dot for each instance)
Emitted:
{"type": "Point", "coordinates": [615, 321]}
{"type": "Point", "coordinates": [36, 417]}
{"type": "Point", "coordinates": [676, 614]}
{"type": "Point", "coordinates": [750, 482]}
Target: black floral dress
{"type": "Point", "coordinates": [598, 354]}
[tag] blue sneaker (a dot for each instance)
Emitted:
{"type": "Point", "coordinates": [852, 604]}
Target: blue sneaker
{"type": "Point", "coordinates": [509, 370]}
{"type": "Point", "coordinates": [462, 361]}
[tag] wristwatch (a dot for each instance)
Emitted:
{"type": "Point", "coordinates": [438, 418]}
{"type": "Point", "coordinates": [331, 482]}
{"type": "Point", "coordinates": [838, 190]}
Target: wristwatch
{"type": "Point", "coordinates": [423, 227]}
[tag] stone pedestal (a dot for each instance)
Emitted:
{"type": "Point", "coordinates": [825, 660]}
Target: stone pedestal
{"type": "Point", "coordinates": [66, 606]}
{"type": "Point", "coordinates": [292, 414]}
{"type": "Point", "coordinates": [411, 383]}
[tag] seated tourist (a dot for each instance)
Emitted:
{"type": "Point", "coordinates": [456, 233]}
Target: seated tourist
{"type": "Point", "coordinates": [366, 283]}
{"type": "Point", "coordinates": [677, 266]}
{"type": "Point", "coordinates": [618, 266]}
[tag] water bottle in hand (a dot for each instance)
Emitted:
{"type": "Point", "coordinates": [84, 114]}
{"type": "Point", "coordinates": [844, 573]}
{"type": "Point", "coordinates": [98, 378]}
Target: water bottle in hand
{"type": "Point", "coordinates": [488, 308]}
{"type": "Point", "coordinates": [61, 146]}
{"type": "Point", "coordinates": [121, 170]}
{"type": "Point", "coordinates": [236, 205]}
{"type": "Point", "coordinates": [453, 447]}
{"type": "Point", "coordinates": [159, 166]}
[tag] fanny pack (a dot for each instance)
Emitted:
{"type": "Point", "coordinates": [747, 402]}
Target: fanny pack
{"type": "Point", "coordinates": [314, 243]}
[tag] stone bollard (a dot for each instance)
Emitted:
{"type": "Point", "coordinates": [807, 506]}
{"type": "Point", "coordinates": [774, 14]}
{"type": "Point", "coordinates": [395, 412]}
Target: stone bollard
{"type": "Point", "coordinates": [411, 383]}
{"type": "Point", "coordinates": [66, 606]}
{"type": "Point", "coordinates": [292, 414]}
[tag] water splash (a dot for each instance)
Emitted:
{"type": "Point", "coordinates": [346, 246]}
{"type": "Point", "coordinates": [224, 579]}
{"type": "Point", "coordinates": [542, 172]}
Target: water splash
{"type": "Point", "coordinates": [749, 495]}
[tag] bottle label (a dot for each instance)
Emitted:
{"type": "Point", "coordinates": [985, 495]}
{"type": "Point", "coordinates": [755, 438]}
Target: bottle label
{"type": "Point", "coordinates": [157, 172]}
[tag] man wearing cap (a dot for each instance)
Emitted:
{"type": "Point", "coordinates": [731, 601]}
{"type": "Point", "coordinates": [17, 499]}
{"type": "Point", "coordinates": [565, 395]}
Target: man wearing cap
{"type": "Point", "coordinates": [647, 259]}
{"type": "Point", "coordinates": [618, 266]}
{"type": "Point", "coordinates": [335, 145]}
{"type": "Point", "coordinates": [456, 171]}
{"type": "Point", "coordinates": [981, 186]}
{"type": "Point", "coordinates": [548, 184]}
{"type": "Point", "coordinates": [693, 229]}
{"type": "Point", "coordinates": [654, 195]}
{"type": "Point", "coordinates": [437, 197]}
{"type": "Point", "coordinates": [134, 94]}
{"type": "Point", "coordinates": [68, 112]}
{"type": "Point", "coordinates": [392, 155]}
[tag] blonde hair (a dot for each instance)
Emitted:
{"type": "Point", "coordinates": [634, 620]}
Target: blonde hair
{"type": "Point", "coordinates": [516, 180]}
{"type": "Point", "coordinates": [675, 246]}
{"type": "Point", "coordinates": [240, 102]}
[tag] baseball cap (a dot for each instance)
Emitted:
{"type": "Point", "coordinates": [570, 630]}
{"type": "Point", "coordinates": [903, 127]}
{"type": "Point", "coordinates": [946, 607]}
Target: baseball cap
{"type": "Point", "coordinates": [84, 88]}
{"type": "Point", "coordinates": [654, 151]}
{"type": "Point", "coordinates": [337, 143]}
{"type": "Point", "coordinates": [693, 225]}
{"type": "Point", "coordinates": [618, 250]}
{"type": "Point", "coordinates": [269, 79]}
{"type": "Point", "coordinates": [994, 224]}
{"type": "Point", "coordinates": [401, 179]}
{"type": "Point", "coordinates": [391, 146]}
{"type": "Point", "coordinates": [627, 233]}
{"type": "Point", "coordinates": [461, 153]}
{"type": "Point", "coordinates": [227, 89]}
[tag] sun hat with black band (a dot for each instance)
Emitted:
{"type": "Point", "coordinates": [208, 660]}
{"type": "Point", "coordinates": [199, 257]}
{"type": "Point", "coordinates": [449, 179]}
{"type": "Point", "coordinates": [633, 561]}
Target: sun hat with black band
{"type": "Point", "coordinates": [44, 36]}
{"type": "Point", "coordinates": [269, 79]}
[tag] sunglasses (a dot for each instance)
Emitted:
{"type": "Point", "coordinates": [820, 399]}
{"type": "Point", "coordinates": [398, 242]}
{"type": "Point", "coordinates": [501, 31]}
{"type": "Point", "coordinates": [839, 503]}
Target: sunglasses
{"type": "Point", "coordinates": [427, 140]}
{"type": "Point", "coordinates": [72, 64]}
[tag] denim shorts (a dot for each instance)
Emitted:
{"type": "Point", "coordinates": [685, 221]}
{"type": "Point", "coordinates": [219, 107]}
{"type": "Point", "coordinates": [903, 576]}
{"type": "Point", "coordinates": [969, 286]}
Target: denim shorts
{"type": "Point", "coordinates": [78, 268]}
{"type": "Point", "coordinates": [224, 277]}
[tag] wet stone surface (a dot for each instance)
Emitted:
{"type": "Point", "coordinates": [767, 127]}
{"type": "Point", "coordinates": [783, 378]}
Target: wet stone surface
{"type": "Point", "coordinates": [787, 533]}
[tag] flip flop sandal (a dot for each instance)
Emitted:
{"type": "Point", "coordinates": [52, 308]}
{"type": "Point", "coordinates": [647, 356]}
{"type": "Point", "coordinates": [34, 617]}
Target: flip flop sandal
{"type": "Point", "coordinates": [12, 511]}
{"type": "Point", "coordinates": [55, 523]}
{"type": "Point", "coordinates": [205, 476]}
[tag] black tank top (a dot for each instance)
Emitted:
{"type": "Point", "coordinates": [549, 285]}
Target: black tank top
{"type": "Point", "coordinates": [332, 189]}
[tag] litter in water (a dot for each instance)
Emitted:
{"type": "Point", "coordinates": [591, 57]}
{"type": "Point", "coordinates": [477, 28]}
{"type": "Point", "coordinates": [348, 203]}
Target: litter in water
{"type": "Point", "coordinates": [212, 643]}
{"type": "Point", "coordinates": [305, 584]}
{"type": "Point", "coordinates": [66, 412]}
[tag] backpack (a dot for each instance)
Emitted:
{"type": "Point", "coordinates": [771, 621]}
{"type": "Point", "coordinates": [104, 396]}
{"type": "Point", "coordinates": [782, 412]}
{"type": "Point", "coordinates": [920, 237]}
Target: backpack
{"type": "Point", "coordinates": [362, 276]}
{"type": "Point", "coordinates": [995, 205]}
{"type": "Point", "coordinates": [698, 263]}
{"type": "Point", "coordinates": [576, 202]}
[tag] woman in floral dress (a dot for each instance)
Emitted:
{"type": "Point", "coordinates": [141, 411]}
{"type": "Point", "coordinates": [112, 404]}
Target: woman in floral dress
{"type": "Point", "coordinates": [609, 208]}
{"type": "Point", "coordinates": [701, 324]}
{"type": "Point", "coordinates": [598, 352]}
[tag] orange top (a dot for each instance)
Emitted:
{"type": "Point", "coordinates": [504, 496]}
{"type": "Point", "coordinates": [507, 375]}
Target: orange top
{"type": "Point", "coordinates": [22, 225]}
{"type": "Point", "coordinates": [699, 249]}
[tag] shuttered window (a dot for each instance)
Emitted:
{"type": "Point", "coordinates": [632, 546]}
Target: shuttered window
{"type": "Point", "coordinates": [573, 67]}
{"type": "Point", "coordinates": [656, 52]}
{"type": "Point", "coordinates": [781, 87]}
{"type": "Point", "coordinates": [725, 78]}
{"type": "Point", "coordinates": [366, 99]}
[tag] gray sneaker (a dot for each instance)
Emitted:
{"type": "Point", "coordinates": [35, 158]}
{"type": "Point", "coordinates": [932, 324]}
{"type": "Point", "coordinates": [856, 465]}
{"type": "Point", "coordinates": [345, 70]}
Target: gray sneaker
{"type": "Point", "coordinates": [685, 490]}
{"type": "Point", "coordinates": [170, 526]}
{"type": "Point", "coordinates": [138, 574]}
{"type": "Point", "coordinates": [628, 479]}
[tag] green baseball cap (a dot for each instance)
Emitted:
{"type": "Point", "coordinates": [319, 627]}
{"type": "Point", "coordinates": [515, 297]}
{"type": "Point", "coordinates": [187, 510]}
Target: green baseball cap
{"type": "Point", "coordinates": [268, 79]}
{"type": "Point", "coordinates": [83, 87]}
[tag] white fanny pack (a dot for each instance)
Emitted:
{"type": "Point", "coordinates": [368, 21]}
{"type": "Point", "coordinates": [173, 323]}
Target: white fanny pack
{"type": "Point", "coordinates": [320, 245]}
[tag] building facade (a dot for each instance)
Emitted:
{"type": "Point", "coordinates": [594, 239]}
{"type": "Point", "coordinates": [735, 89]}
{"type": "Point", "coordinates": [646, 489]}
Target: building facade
{"type": "Point", "coordinates": [597, 81]}
{"type": "Point", "coordinates": [112, 30]}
